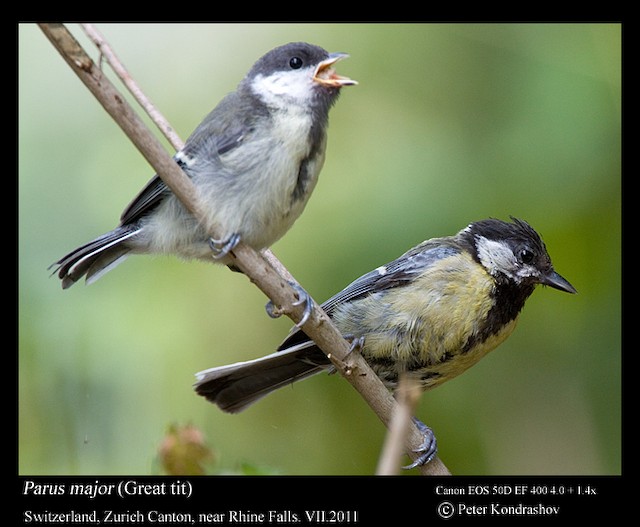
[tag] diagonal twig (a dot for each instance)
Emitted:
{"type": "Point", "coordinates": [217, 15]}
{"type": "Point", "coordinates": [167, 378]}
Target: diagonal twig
{"type": "Point", "coordinates": [123, 74]}
{"type": "Point", "coordinates": [408, 394]}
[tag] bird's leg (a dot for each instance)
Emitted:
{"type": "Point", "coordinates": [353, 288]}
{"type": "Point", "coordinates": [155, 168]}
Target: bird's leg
{"type": "Point", "coordinates": [303, 299]}
{"type": "Point", "coordinates": [355, 343]}
{"type": "Point", "coordinates": [427, 450]}
{"type": "Point", "coordinates": [222, 248]}
{"type": "Point", "coordinates": [355, 346]}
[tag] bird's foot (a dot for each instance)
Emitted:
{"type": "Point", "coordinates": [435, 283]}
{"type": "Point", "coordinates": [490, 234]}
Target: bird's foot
{"type": "Point", "coordinates": [427, 450]}
{"type": "Point", "coordinates": [303, 299]}
{"type": "Point", "coordinates": [222, 248]}
{"type": "Point", "coordinates": [355, 343]}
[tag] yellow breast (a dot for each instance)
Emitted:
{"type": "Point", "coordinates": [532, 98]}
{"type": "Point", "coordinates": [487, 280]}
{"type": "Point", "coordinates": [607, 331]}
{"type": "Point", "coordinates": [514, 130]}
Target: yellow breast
{"type": "Point", "coordinates": [424, 327]}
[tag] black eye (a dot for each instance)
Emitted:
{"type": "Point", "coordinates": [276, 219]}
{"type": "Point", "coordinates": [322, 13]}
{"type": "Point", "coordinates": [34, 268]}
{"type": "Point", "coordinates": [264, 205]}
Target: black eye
{"type": "Point", "coordinates": [295, 63]}
{"type": "Point", "coordinates": [526, 256]}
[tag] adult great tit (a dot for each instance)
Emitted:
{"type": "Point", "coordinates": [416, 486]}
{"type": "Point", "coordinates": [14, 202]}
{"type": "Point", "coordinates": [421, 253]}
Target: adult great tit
{"type": "Point", "coordinates": [432, 313]}
{"type": "Point", "coordinates": [255, 160]}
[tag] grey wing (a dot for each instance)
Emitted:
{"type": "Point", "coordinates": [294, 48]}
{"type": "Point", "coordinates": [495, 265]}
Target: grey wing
{"type": "Point", "coordinates": [394, 274]}
{"type": "Point", "coordinates": [146, 200]}
{"type": "Point", "coordinates": [212, 138]}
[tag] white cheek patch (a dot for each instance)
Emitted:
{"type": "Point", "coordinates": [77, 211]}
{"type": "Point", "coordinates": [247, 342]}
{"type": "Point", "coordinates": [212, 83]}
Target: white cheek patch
{"type": "Point", "coordinates": [275, 89]}
{"type": "Point", "coordinates": [496, 257]}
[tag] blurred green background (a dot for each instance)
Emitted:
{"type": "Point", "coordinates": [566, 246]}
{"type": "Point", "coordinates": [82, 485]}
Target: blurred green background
{"type": "Point", "coordinates": [450, 123]}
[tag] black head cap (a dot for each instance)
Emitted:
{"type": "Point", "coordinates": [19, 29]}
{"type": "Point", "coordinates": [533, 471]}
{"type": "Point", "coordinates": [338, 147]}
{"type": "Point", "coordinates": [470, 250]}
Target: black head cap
{"type": "Point", "coordinates": [295, 55]}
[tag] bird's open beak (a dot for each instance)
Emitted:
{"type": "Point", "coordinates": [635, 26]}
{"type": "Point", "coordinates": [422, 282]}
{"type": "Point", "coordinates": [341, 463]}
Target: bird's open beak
{"type": "Point", "coordinates": [327, 76]}
{"type": "Point", "coordinates": [556, 281]}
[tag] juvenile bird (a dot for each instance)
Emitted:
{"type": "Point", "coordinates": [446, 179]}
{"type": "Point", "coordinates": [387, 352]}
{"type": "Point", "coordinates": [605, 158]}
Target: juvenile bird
{"type": "Point", "coordinates": [255, 160]}
{"type": "Point", "coordinates": [432, 313]}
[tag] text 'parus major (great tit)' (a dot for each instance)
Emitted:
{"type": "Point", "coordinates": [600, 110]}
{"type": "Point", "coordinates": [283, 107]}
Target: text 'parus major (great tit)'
{"type": "Point", "coordinates": [255, 160]}
{"type": "Point", "coordinates": [432, 313]}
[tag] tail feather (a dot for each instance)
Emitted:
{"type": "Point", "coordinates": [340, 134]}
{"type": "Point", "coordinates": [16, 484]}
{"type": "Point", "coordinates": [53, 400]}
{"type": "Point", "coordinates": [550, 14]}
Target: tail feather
{"type": "Point", "coordinates": [94, 258]}
{"type": "Point", "coordinates": [235, 387]}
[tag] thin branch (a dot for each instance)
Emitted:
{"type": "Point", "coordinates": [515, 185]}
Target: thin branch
{"type": "Point", "coordinates": [408, 395]}
{"type": "Point", "coordinates": [123, 74]}
{"type": "Point", "coordinates": [273, 284]}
